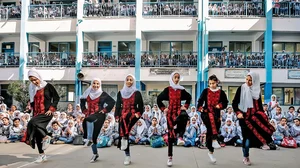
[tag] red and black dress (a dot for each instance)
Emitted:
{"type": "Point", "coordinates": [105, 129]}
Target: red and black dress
{"type": "Point", "coordinates": [255, 125]}
{"type": "Point", "coordinates": [174, 97]}
{"type": "Point", "coordinates": [44, 100]}
{"type": "Point", "coordinates": [103, 103]}
{"type": "Point", "coordinates": [210, 115]}
{"type": "Point", "coordinates": [125, 112]}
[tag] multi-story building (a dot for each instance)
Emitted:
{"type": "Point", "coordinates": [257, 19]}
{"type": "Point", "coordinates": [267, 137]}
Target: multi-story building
{"type": "Point", "coordinates": [150, 38]}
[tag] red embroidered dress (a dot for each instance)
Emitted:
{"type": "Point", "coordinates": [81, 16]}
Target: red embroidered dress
{"type": "Point", "coordinates": [174, 97]}
{"type": "Point", "coordinates": [39, 107]}
{"type": "Point", "coordinates": [93, 106]}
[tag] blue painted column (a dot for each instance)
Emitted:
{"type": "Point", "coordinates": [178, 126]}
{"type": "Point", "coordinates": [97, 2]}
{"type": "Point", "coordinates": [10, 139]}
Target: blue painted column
{"type": "Point", "coordinates": [138, 44]}
{"type": "Point", "coordinates": [24, 38]}
{"type": "Point", "coordinates": [199, 52]}
{"type": "Point", "coordinates": [268, 50]}
{"type": "Point", "coordinates": [79, 50]}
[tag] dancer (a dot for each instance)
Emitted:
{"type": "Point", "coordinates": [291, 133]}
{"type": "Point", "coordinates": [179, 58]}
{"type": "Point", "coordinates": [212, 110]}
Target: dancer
{"type": "Point", "coordinates": [176, 118]}
{"type": "Point", "coordinates": [256, 129]}
{"type": "Point", "coordinates": [215, 100]}
{"type": "Point", "coordinates": [129, 108]}
{"type": "Point", "coordinates": [99, 103]}
{"type": "Point", "coordinates": [44, 99]}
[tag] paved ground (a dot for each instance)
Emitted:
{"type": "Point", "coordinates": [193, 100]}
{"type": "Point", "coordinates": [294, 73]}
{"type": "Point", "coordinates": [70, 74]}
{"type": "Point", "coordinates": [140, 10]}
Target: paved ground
{"type": "Point", "coordinates": [19, 155]}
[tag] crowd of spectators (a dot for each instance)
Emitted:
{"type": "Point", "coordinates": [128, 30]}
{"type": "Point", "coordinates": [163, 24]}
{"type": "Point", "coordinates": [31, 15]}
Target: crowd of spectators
{"type": "Point", "coordinates": [170, 8]}
{"type": "Point", "coordinates": [51, 59]}
{"type": "Point", "coordinates": [9, 59]}
{"type": "Point", "coordinates": [10, 12]}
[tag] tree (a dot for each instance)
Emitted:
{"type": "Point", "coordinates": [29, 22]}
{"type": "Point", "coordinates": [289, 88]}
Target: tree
{"type": "Point", "coordinates": [20, 92]}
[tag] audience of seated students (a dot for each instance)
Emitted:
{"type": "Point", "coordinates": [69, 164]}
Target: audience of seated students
{"type": "Point", "coordinates": [64, 128]}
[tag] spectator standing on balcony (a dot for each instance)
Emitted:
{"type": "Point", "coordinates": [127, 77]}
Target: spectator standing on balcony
{"type": "Point", "coordinates": [129, 109]}
{"type": "Point", "coordinates": [214, 100]}
{"type": "Point", "coordinates": [176, 114]}
{"type": "Point", "coordinates": [44, 99]}
{"type": "Point", "coordinates": [256, 129]}
{"type": "Point", "coordinates": [99, 103]}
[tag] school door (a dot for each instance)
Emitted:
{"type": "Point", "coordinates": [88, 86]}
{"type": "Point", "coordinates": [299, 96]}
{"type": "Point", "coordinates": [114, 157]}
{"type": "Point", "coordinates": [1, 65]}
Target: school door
{"type": "Point", "coordinates": [105, 48]}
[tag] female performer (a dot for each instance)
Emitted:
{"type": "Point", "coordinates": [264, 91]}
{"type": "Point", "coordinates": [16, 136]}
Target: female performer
{"type": "Point", "coordinates": [256, 129]}
{"type": "Point", "coordinates": [129, 109]}
{"type": "Point", "coordinates": [174, 93]}
{"type": "Point", "coordinates": [99, 103]}
{"type": "Point", "coordinates": [215, 100]}
{"type": "Point", "coordinates": [43, 99]}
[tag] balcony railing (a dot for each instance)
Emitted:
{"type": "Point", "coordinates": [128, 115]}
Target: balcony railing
{"type": "Point", "coordinates": [110, 9]}
{"type": "Point", "coordinates": [163, 9]}
{"type": "Point", "coordinates": [108, 59]}
{"type": "Point", "coordinates": [53, 11]}
{"type": "Point", "coordinates": [283, 60]}
{"type": "Point", "coordinates": [236, 9]}
{"type": "Point", "coordinates": [51, 59]}
{"type": "Point", "coordinates": [167, 59]}
{"type": "Point", "coordinates": [10, 12]}
{"type": "Point", "coordinates": [9, 59]}
{"type": "Point", "coordinates": [286, 9]}
{"type": "Point", "coordinates": [236, 59]}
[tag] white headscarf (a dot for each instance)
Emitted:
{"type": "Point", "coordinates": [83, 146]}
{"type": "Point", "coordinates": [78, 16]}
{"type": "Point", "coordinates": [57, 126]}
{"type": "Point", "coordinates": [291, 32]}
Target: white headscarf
{"type": "Point", "coordinates": [127, 92]}
{"type": "Point", "coordinates": [33, 88]}
{"type": "Point", "coordinates": [140, 129]}
{"type": "Point", "coordinates": [112, 122]}
{"type": "Point", "coordinates": [173, 85]}
{"type": "Point", "coordinates": [94, 94]}
{"type": "Point", "coordinates": [273, 102]}
{"type": "Point", "coordinates": [249, 93]}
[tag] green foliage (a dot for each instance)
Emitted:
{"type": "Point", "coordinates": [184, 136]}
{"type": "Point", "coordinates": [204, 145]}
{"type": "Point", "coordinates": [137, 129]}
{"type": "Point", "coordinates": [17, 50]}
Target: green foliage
{"type": "Point", "coordinates": [19, 91]}
{"type": "Point", "coordinates": [148, 100]}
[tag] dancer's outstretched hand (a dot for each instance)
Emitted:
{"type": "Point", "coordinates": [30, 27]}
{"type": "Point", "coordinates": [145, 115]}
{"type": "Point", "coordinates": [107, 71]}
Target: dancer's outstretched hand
{"type": "Point", "coordinates": [240, 116]}
{"type": "Point", "coordinates": [48, 113]}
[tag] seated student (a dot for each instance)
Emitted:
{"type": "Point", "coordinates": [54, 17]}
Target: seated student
{"type": "Point", "coordinates": [295, 130]}
{"type": "Point", "coordinates": [238, 131]}
{"type": "Point", "coordinates": [155, 130]}
{"type": "Point", "coordinates": [56, 132]}
{"type": "Point", "coordinates": [190, 134]}
{"type": "Point", "coordinates": [147, 115]}
{"type": "Point", "coordinates": [282, 131]}
{"type": "Point", "coordinates": [115, 132]}
{"type": "Point", "coordinates": [277, 117]}
{"type": "Point", "coordinates": [291, 115]}
{"type": "Point", "coordinates": [16, 131]}
{"type": "Point", "coordinates": [266, 110]}
{"type": "Point", "coordinates": [62, 120]}
{"type": "Point", "coordinates": [78, 124]}
{"type": "Point", "coordinates": [140, 133]}
{"type": "Point", "coordinates": [228, 133]}
{"type": "Point", "coordinates": [156, 113]}
{"type": "Point", "coordinates": [69, 133]}
{"type": "Point", "coordinates": [193, 112]}
{"type": "Point", "coordinates": [203, 131]}
{"type": "Point", "coordinates": [230, 114]}
{"type": "Point", "coordinates": [23, 121]}
{"type": "Point", "coordinates": [105, 133]}
{"type": "Point", "coordinates": [4, 130]}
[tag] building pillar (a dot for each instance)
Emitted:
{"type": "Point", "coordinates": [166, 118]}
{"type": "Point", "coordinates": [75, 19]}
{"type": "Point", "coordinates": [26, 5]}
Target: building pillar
{"type": "Point", "coordinates": [199, 52]}
{"type": "Point", "coordinates": [205, 43]}
{"type": "Point", "coordinates": [24, 38]}
{"type": "Point", "coordinates": [268, 50]}
{"type": "Point", "coordinates": [138, 44]}
{"type": "Point", "coordinates": [79, 50]}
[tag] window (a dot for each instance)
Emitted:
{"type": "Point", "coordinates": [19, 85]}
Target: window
{"type": "Point", "coordinates": [262, 95]}
{"type": "Point", "coordinates": [297, 96]}
{"type": "Point", "coordinates": [215, 46]}
{"type": "Point", "coordinates": [128, 46]}
{"type": "Point", "coordinates": [231, 93]}
{"type": "Point", "coordinates": [288, 96]}
{"type": "Point", "coordinates": [277, 47]}
{"type": "Point", "coordinates": [112, 90]}
{"type": "Point", "coordinates": [289, 47]}
{"type": "Point", "coordinates": [34, 47]}
{"type": "Point", "coordinates": [279, 94]}
{"type": "Point", "coordinates": [71, 92]}
{"type": "Point", "coordinates": [298, 47]}
{"type": "Point", "coordinates": [240, 46]}
{"type": "Point", "coordinates": [169, 47]}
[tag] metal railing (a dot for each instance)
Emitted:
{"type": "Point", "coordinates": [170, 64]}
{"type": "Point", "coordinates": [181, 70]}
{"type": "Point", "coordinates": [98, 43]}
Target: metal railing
{"type": "Point", "coordinates": [236, 9]}
{"type": "Point", "coordinates": [236, 59]}
{"type": "Point", "coordinates": [163, 9]}
{"type": "Point", "coordinates": [53, 11]}
{"type": "Point", "coordinates": [110, 9]}
{"type": "Point", "coordinates": [167, 59]}
{"type": "Point", "coordinates": [9, 59]}
{"type": "Point", "coordinates": [108, 59]}
{"type": "Point", "coordinates": [286, 9]}
{"type": "Point", "coordinates": [283, 60]}
{"type": "Point", "coordinates": [51, 59]}
{"type": "Point", "coordinates": [10, 12]}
